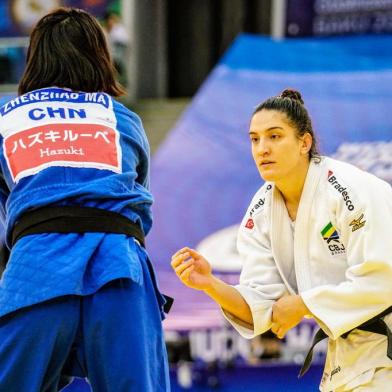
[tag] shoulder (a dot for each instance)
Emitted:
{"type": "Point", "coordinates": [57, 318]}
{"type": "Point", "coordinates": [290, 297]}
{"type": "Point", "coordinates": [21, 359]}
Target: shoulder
{"type": "Point", "coordinates": [5, 104]}
{"type": "Point", "coordinates": [351, 187]}
{"type": "Point", "coordinates": [353, 176]}
{"type": "Point", "coordinates": [260, 200]}
{"type": "Point", "coordinates": [122, 111]}
{"type": "Point", "coordinates": [129, 123]}
{"type": "Point", "coordinates": [258, 204]}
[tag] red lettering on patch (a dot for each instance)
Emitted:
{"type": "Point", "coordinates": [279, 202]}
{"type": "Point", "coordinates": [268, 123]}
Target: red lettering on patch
{"type": "Point", "coordinates": [330, 172]}
{"type": "Point", "coordinates": [77, 145]}
{"type": "Point", "coordinates": [250, 224]}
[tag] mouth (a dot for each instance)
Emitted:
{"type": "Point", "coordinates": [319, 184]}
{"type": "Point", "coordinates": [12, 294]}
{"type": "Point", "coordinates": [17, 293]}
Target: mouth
{"type": "Point", "coordinates": [266, 163]}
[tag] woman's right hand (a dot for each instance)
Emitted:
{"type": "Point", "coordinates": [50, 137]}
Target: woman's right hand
{"type": "Point", "coordinates": [195, 271]}
{"type": "Point", "coordinates": [192, 269]}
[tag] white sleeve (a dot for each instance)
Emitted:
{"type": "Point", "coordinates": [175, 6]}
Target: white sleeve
{"type": "Point", "coordinates": [367, 289]}
{"type": "Point", "coordinates": [260, 282]}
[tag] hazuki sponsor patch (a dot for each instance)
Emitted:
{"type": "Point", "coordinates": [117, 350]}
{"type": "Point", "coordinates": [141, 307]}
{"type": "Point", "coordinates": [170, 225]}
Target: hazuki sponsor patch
{"type": "Point", "coordinates": [358, 223]}
{"type": "Point", "coordinates": [331, 238]}
{"type": "Point", "coordinates": [78, 145]}
{"type": "Point", "coordinates": [250, 224]}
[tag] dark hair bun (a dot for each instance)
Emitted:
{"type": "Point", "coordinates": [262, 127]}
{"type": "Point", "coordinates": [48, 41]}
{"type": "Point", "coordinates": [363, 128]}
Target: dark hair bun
{"type": "Point", "coordinates": [292, 94]}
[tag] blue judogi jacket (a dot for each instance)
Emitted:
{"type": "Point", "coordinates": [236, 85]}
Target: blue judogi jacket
{"type": "Point", "coordinates": [61, 147]}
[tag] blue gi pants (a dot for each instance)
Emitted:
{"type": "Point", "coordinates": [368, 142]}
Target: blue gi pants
{"type": "Point", "coordinates": [114, 336]}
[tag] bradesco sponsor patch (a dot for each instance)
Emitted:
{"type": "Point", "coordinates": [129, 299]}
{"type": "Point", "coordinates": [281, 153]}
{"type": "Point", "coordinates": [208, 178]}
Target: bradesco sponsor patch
{"type": "Point", "coordinates": [257, 206]}
{"type": "Point", "coordinates": [77, 145]}
{"type": "Point", "coordinates": [260, 203]}
{"type": "Point", "coordinates": [341, 189]}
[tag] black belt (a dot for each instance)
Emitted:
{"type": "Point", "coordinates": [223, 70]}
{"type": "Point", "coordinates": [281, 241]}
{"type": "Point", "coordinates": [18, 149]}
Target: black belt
{"type": "Point", "coordinates": [70, 219]}
{"type": "Point", "coordinates": [73, 219]}
{"type": "Point", "coordinates": [375, 325]}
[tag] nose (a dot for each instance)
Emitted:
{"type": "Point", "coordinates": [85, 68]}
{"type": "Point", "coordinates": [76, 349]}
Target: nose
{"type": "Point", "coordinates": [263, 148]}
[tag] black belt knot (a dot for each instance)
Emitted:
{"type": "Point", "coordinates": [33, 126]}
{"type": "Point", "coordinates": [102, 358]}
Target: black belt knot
{"type": "Point", "coordinates": [375, 325]}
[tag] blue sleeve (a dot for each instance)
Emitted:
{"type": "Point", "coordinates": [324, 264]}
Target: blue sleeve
{"type": "Point", "coordinates": [4, 192]}
{"type": "Point", "coordinates": [135, 143]}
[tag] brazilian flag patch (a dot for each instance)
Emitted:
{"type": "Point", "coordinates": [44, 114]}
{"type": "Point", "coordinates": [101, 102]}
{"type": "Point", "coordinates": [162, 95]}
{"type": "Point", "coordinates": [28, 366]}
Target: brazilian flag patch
{"type": "Point", "coordinates": [329, 233]}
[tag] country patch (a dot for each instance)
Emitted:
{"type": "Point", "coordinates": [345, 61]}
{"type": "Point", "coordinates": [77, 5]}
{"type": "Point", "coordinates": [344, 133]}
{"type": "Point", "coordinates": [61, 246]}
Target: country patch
{"type": "Point", "coordinates": [329, 233]}
{"type": "Point", "coordinates": [331, 237]}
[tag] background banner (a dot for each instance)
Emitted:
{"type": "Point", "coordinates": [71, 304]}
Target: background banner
{"type": "Point", "coordinates": [17, 17]}
{"type": "Point", "coordinates": [331, 17]}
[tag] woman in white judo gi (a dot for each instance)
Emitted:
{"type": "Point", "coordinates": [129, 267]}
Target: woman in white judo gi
{"type": "Point", "coordinates": [315, 242]}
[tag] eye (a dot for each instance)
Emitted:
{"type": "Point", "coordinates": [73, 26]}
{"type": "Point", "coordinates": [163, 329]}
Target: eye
{"type": "Point", "coordinates": [254, 139]}
{"type": "Point", "coordinates": [275, 136]}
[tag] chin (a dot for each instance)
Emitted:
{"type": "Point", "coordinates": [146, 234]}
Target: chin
{"type": "Point", "coordinates": [267, 176]}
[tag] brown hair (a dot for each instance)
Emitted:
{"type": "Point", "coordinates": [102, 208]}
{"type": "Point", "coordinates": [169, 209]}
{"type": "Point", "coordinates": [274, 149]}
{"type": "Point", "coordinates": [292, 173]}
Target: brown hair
{"type": "Point", "coordinates": [290, 103]}
{"type": "Point", "coordinates": [68, 48]}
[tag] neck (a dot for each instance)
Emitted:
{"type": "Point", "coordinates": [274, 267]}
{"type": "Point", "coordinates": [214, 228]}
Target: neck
{"type": "Point", "coordinates": [292, 186]}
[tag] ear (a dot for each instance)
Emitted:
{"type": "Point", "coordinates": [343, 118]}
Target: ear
{"type": "Point", "coordinates": [306, 144]}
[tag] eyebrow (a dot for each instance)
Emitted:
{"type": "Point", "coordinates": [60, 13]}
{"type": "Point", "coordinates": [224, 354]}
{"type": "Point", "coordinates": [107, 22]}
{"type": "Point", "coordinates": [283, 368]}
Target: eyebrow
{"type": "Point", "coordinates": [268, 129]}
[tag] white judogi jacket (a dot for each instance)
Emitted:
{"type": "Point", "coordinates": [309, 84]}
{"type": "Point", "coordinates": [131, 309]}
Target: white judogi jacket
{"type": "Point", "coordinates": [340, 262]}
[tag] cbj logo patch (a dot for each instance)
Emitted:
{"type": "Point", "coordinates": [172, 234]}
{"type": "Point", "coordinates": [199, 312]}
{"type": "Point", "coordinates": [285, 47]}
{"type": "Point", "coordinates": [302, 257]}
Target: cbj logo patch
{"type": "Point", "coordinates": [346, 197]}
{"type": "Point", "coordinates": [331, 237]}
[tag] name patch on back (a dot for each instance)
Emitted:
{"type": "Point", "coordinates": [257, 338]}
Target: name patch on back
{"type": "Point", "coordinates": [76, 145]}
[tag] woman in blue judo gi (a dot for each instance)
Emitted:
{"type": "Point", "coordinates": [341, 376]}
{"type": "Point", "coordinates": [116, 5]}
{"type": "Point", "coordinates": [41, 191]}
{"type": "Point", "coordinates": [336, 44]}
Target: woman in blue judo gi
{"type": "Point", "coordinates": [78, 295]}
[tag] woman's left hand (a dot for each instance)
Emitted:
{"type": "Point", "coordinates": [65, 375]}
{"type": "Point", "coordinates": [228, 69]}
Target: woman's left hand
{"type": "Point", "coordinates": [287, 312]}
